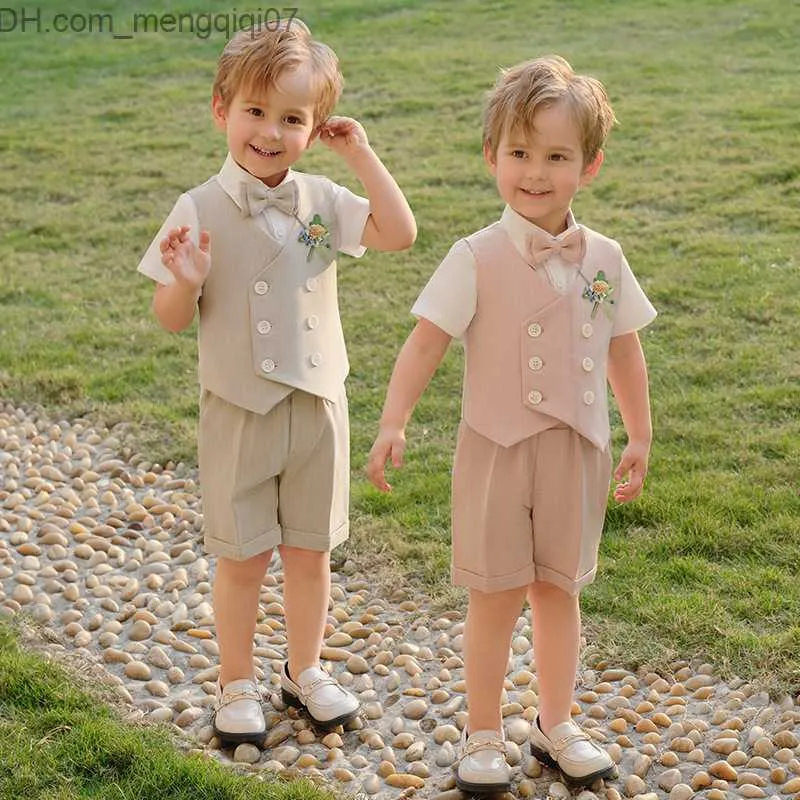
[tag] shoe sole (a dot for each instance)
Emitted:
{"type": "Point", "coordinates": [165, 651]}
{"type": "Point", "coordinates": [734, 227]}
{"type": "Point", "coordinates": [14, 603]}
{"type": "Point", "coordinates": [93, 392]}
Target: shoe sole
{"type": "Point", "coordinates": [290, 700]}
{"type": "Point", "coordinates": [469, 787]}
{"type": "Point", "coordinates": [583, 780]}
{"type": "Point", "coordinates": [226, 738]}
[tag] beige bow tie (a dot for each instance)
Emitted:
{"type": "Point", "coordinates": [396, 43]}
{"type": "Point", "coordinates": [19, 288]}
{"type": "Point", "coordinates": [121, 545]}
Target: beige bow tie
{"type": "Point", "coordinates": [541, 246]}
{"type": "Point", "coordinates": [255, 197]}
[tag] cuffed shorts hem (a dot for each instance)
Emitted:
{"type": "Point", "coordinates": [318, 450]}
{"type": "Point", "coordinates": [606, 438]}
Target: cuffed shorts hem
{"type": "Point", "coordinates": [494, 583]}
{"type": "Point", "coordinates": [321, 542]}
{"type": "Point", "coordinates": [236, 552]}
{"type": "Point", "coordinates": [569, 585]}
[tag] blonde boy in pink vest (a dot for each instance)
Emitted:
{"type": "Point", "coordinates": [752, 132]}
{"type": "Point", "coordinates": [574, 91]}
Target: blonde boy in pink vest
{"type": "Point", "coordinates": [254, 248]}
{"type": "Point", "coordinates": [548, 311]}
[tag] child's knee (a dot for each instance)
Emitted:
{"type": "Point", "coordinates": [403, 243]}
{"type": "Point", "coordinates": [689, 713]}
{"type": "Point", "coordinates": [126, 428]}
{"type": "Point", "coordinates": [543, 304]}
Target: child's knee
{"type": "Point", "coordinates": [247, 571]}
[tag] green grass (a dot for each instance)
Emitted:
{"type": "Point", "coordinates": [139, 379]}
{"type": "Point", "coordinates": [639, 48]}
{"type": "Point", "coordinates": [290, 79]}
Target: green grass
{"type": "Point", "coordinates": [59, 742]}
{"type": "Point", "coordinates": [699, 186]}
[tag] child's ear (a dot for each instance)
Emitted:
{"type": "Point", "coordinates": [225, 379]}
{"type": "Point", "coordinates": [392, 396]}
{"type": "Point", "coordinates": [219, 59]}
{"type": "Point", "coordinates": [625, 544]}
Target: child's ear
{"type": "Point", "coordinates": [490, 158]}
{"type": "Point", "coordinates": [591, 170]}
{"type": "Point", "coordinates": [219, 112]}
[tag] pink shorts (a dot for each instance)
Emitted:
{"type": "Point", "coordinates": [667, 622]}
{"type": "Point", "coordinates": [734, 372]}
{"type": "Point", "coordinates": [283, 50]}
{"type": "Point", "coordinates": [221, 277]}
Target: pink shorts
{"type": "Point", "coordinates": [530, 512]}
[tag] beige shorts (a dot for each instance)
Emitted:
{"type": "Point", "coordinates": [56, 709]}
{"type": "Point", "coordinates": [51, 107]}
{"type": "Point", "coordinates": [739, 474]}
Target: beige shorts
{"type": "Point", "coordinates": [277, 478]}
{"type": "Point", "coordinates": [530, 512]}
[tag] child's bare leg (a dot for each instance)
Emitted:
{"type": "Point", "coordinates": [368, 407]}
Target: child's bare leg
{"type": "Point", "coordinates": [237, 585]}
{"type": "Point", "coordinates": [556, 641]}
{"type": "Point", "coordinates": [490, 622]}
{"type": "Point", "coordinates": [306, 590]}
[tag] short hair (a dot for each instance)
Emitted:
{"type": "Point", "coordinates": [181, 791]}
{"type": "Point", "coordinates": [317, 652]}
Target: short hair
{"type": "Point", "coordinates": [255, 57]}
{"type": "Point", "coordinates": [525, 88]}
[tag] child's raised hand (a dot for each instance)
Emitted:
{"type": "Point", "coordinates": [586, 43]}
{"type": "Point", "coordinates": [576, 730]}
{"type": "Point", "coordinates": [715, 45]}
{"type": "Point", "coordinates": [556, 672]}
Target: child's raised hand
{"type": "Point", "coordinates": [633, 465]}
{"type": "Point", "coordinates": [390, 444]}
{"type": "Point", "coordinates": [189, 264]}
{"type": "Point", "coordinates": [345, 136]}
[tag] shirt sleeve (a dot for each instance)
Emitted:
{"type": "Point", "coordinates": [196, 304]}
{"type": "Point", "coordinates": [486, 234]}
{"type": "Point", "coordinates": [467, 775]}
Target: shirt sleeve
{"type": "Point", "coordinates": [633, 310]}
{"type": "Point", "coordinates": [184, 212]}
{"type": "Point", "coordinates": [449, 300]}
{"type": "Point", "coordinates": [351, 217]}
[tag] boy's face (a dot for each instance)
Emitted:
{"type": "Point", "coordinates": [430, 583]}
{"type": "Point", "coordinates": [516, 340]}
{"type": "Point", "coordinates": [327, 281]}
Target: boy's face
{"type": "Point", "coordinates": [538, 172]}
{"type": "Point", "coordinates": [268, 130]}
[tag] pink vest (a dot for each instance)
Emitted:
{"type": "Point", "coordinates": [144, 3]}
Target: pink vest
{"type": "Point", "coordinates": [537, 358]}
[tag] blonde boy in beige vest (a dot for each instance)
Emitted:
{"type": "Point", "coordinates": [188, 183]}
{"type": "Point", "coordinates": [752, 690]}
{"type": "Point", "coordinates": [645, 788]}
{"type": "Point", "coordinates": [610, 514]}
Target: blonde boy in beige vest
{"type": "Point", "coordinates": [254, 248]}
{"type": "Point", "coordinates": [548, 311]}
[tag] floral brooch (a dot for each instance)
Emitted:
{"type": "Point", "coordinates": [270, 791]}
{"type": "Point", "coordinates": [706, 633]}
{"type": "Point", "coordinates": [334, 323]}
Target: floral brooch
{"type": "Point", "coordinates": [314, 235]}
{"type": "Point", "coordinates": [598, 291]}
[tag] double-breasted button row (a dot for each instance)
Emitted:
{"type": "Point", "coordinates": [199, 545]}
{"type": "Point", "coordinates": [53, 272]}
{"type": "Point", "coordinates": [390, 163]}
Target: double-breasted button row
{"type": "Point", "coordinates": [262, 287]}
{"type": "Point", "coordinates": [535, 330]}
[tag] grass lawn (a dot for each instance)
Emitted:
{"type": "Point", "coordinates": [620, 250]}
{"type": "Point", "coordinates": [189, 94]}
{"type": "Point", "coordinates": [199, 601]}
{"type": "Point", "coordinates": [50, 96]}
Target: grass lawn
{"type": "Point", "coordinates": [100, 135]}
{"type": "Point", "coordinates": [59, 742]}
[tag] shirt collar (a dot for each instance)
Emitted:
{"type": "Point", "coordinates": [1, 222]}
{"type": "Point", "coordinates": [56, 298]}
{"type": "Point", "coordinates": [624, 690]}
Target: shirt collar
{"type": "Point", "coordinates": [518, 228]}
{"type": "Point", "coordinates": [232, 176]}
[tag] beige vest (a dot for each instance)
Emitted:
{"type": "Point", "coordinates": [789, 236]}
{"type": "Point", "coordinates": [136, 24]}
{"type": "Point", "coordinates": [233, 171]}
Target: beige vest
{"type": "Point", "coordinates": [536, 358]}
{"type": "Point", "coordinates": [269, 316]}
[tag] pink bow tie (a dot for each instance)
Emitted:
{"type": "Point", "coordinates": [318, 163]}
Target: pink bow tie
{"type": "Point", "coordinates": [541, 246]}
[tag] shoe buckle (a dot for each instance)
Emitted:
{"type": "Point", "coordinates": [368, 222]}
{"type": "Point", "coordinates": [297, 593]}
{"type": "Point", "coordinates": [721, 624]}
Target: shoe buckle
{"type": "Point", "coordinates": [487, 744]}
{"type": "Point", "coordinates": [317, 683]}
{"type": "Point", "coordinates": [565, 741]}
{"type": "Point", "coordinates": [240, 694]}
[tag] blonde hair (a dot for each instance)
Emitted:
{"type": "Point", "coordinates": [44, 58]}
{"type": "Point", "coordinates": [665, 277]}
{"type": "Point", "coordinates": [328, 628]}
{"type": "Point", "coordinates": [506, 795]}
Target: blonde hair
{"type": "Point", "coordinates": [255, 57]}
{"type": "Point", "coordinates": [525, 88]}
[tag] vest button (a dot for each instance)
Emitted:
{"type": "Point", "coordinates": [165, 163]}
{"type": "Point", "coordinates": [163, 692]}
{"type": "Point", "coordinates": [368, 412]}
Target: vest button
{"type": "Point", "coordinates": [312, 322]}
{"type": "Point", "coordinates": [588, 397]}
{"type": "Point", "coordinates": [535, 363]}
{"type": "Point", "coordinates": [267, 365]}
{"type": "Point", "coordinates": [534, 330]}
{"type": "Point", "coordinates": [312, 284]}
{"type": "Point", "coordinates": [261, 287]}
{"type": "Point", "coordinates": [535, 397]}
{"type": "Point", "coordinates": [264, 327]}
{"type": "Point", "coordinates": [586, 330]}
{"type": "Point", "coordinates": [316, 359]}
{"type": "Point", "coordinates": [587, 364]}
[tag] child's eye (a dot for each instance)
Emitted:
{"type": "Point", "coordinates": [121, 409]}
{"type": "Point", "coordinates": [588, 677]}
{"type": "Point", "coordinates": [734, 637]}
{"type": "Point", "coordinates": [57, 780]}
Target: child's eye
{"type": "Point", "coordinates": [294, 120]}
{"type": "Point", "coordinates": [517, 154]}
{"type": "Point", "coordinates": [255, 112]}
{"type": "Point", "coordinates": [558, 157]}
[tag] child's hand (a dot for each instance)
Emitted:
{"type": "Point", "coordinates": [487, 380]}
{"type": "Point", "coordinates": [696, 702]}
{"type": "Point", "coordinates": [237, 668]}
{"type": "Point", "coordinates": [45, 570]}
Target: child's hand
{"type": "Point", "coordinates": [345, 136]}
{"type": "Point", "coordinates": [633, 464]}
{"type": "Point", "coordinates": [391, 443]}
{"type": "Point", "coordinates": [189, 264]}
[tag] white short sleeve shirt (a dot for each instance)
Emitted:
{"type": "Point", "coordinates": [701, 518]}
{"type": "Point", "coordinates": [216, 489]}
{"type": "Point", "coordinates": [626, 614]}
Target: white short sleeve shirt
{"type": "Point", "coordinates": [351, 212]}
{"type": "Point", "coordinates": [449, 299]}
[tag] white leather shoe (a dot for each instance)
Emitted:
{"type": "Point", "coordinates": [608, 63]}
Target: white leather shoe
{"type": "Point", "coordinates": [237, 715]}
{"type": "Point", "coordinates": [327, 703]}
{"type": "Point", "coordinates": [571, 750]}
{"type": "Point", "coordinates": [482, 765]}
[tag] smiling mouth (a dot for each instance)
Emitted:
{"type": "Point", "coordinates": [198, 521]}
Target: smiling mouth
{"type": "Point", "coordinates": [535, 194]}
{"type": "Point", "coordinates": [265, 153]}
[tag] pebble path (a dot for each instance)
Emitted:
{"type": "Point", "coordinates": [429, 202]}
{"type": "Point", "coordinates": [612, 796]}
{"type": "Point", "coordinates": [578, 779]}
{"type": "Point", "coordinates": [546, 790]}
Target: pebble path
{"type": "Point", "coordinates": [101, 549]}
